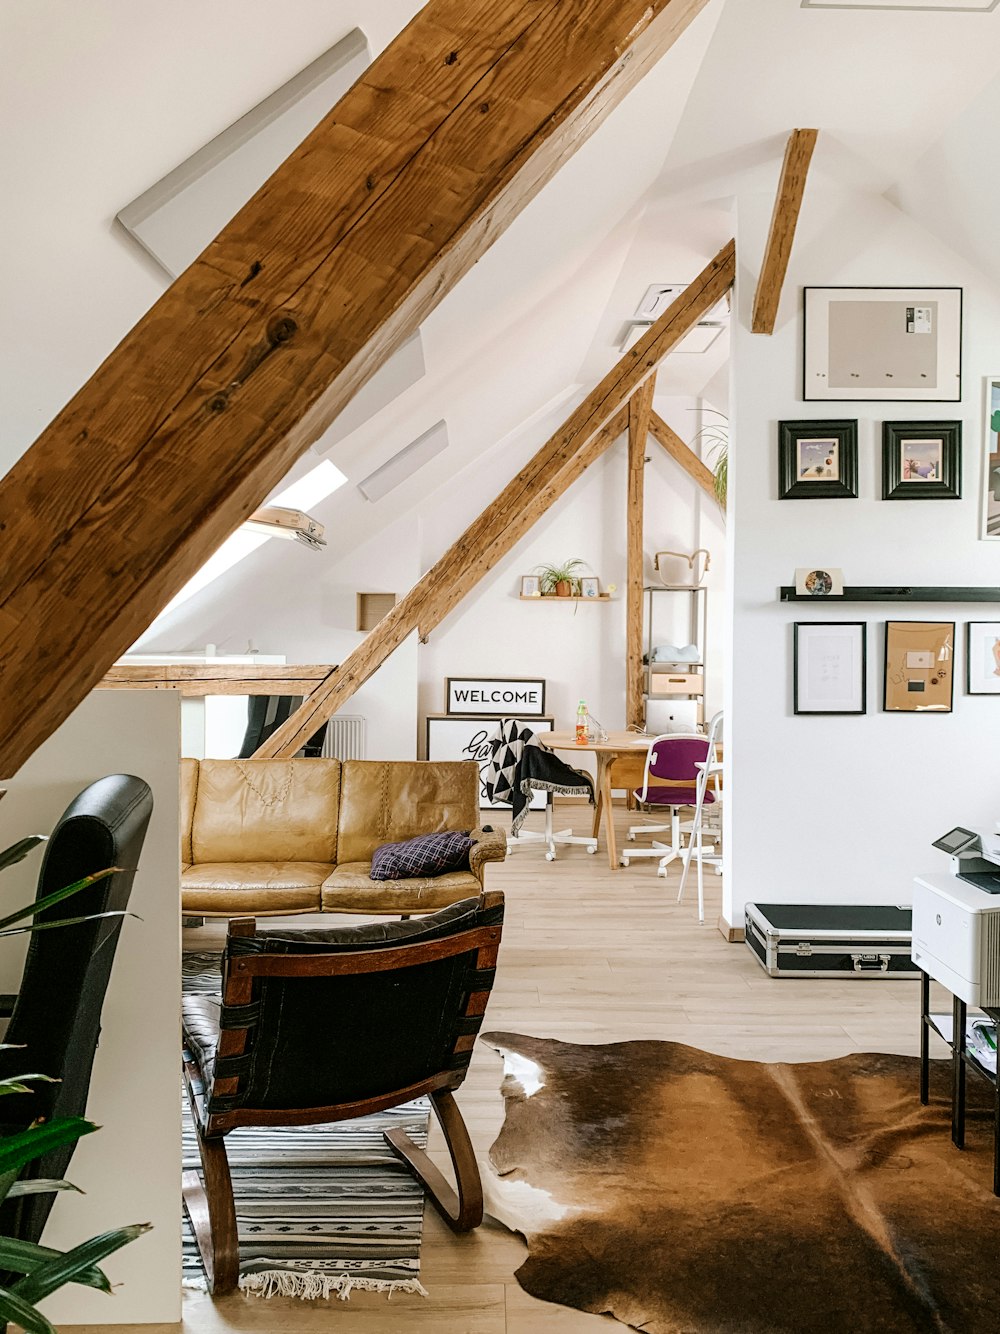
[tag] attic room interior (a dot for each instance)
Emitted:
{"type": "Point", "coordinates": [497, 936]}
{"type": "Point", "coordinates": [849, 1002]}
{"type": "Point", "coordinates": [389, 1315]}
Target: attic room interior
{"type": "Point", "coordinates": [453, 882]}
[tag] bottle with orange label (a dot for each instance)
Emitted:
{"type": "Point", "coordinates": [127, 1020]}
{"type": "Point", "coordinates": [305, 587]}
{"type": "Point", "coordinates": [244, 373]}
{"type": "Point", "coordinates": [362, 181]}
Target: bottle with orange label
{"type": "Point", "coordinates": [581, 723]}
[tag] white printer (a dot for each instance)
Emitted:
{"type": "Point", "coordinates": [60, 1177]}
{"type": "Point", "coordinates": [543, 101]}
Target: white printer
{"type": "Point", "coordinates": [956, 918]}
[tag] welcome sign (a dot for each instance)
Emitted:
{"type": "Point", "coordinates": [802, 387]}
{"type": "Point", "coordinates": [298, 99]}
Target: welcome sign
{"type": "Point", "coordinates": [484, 694]}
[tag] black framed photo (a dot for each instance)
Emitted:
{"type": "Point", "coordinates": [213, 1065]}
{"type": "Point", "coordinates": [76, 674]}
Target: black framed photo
{"type": "Point", "coordinates": [829, 669]}
{"type": "Point", "coordinates": [890, 344]}
{"type": "Point", "coordinates": [817, 460]}
{"type": "Point", "coordinates": [921, 460]}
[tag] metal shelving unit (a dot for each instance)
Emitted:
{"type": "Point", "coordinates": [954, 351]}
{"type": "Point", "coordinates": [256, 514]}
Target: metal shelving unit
{"type": "Point", "coordinates": [689, 677]}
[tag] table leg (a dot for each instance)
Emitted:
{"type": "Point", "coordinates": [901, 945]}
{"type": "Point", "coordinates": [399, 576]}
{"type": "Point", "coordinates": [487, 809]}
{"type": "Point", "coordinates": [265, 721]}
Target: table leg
{"type": "Point", "coordinates": [607, 809]}
{"type": "Point", "coordinates": [925, 1053]}
{"type": "Point", "coordinates": [958, 1074]}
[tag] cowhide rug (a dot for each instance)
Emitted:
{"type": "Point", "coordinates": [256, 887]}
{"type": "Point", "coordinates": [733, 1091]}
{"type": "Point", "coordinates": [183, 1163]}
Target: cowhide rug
{"type": "Point", "coordinates": [687, 1193]}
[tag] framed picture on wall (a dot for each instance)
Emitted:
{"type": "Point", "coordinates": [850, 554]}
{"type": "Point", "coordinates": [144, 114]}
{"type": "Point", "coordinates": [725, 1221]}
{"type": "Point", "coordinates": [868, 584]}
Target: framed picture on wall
{"type": "Point", "coordinates": [829, 667]}
{"type": "Point", "coordinates": [892, 344]}
{"type": "Point", "coordinates": [921, 460]}
{"type": "Point", "coordinates": [451, 738]}
{"type": "Point", "coordinates": [507, 697]}
{"type": "Point", "coordinates": [817, 460]}
{"type": "Point", "coordinates": [982, 657]}
{"type": "Point", "coordinates": [991, 461]}
{"type": "Point", "coordinates": [919, 666]}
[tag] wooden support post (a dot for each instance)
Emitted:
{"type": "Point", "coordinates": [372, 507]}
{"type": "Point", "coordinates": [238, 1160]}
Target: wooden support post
{"type": "Point", "coordinates": [681, 453]}
{"type": "Point", "coordinates": [587, 431]}
{"type": "Point", "coordinates": [639, 408]}
{"type": "Point", "coordinates": [788, 201]}
{"type": "Point", "coordinates": [202, 409]}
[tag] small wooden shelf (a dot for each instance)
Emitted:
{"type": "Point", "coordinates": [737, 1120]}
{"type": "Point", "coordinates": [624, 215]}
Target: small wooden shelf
{"type": "Point", "coordinates": [892, 593]}
{"type": "Point", "coordinates": [554, 597]}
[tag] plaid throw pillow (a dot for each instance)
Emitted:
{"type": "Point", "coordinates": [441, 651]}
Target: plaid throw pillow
{"type": "Point", "coordinates": [425, 855]}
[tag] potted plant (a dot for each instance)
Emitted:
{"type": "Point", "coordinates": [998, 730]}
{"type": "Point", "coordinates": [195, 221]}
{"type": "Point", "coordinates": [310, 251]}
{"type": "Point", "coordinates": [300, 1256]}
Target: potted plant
{"type": "Point", "coordinates": [561, 581]}
{"type": "Point", "coordinates": [36, 1271]}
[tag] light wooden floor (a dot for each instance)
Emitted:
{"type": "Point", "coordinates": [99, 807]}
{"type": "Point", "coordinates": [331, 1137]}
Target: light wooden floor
{"type": "Point", "coordinates": [588, 955]}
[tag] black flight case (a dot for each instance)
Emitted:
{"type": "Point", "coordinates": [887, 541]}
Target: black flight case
{"type": "Point", "coordinates": [831, 940]}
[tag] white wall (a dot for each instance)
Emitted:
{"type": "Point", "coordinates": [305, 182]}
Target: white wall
{"type": "Point", "coordinates": [578, 648]}
{"type": "Point", "coordinates": [130, 1169]}
{"type": "Point", "coordinates": [830, 809]}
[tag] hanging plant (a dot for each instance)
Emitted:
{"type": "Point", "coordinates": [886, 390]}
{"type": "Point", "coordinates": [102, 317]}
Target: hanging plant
{"type": "Point", "coordinates": [715, 444]}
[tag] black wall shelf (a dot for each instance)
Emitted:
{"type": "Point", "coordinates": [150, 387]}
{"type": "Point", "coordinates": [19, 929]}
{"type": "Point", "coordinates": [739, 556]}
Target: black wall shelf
{"type": "Point", "coordinates": [893, 593]}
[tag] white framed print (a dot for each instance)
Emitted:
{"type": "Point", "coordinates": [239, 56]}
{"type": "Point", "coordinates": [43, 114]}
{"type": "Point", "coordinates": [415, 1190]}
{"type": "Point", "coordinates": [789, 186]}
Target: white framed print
{"type": "Point", "coordinates": [829, 667]}
{"type": "Point", "coordinates": [531, 586]}
{"type": "Point", "coordinates": [451, 738]}
{"type": "Point", "coordinates": [590, 588]}
{"type": "Point", "coordinates": [889, 344]}
{"type": "Point", "coordinates": [982, 658]}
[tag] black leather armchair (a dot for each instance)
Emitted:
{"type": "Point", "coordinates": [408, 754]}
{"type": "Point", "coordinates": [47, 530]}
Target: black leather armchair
{"type": "Point", "coordinates": [55, 1018]}
{"type": "Point", "coordinates": [328, 1025]}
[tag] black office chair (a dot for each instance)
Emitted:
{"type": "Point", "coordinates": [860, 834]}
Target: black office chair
{"type": "Point", "coordinates": [329, 1025]}
{"type": "Point", "coordinates": [265, 714]}
{"type": "Point", "coordinates": [55, 1018]}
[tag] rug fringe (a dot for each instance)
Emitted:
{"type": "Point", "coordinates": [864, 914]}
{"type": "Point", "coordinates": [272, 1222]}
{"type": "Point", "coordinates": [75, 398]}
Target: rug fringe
{"type": "Point", "coordinates": [195, 1284]}
{"type": "Point", "coordinates": [313, 1287]}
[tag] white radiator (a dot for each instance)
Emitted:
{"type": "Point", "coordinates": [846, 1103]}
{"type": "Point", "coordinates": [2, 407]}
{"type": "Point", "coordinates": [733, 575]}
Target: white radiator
{"type": "Point", "coordinates": [345, 738]}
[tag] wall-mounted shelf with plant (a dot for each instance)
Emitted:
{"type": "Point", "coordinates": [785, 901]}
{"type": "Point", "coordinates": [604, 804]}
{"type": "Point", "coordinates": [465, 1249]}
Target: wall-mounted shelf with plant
{"type": "Point", "coordinates": [563, 581]}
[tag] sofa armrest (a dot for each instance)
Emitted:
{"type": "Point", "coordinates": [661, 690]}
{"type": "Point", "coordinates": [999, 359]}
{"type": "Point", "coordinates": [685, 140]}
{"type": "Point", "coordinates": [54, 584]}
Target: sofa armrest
{"type": "Point", "coordinates": [488, 847]}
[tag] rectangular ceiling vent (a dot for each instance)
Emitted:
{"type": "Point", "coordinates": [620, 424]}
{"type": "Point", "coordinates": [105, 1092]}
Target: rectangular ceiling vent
{"type": "Point", "coordinates": [404, 464]}
{"type": "Point", "coordinates": [175, 219]}
{"type": "Point", "coordinates": [657, 298]}
{"type": "Point", "coordinates": [925, 6]}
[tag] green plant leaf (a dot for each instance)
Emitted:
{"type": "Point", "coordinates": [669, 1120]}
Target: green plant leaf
{"type": "Point", "coordinates": [16, 1150]}
{"type": "Point", "coordinates": [41, 1186]}
{"type": "Point", "coordinates": [16, 1083]}
{"type": "Point", "coordinates": [65, 1268]}
{"type": "Point", "coordinates": [63, 921]}
{"type": "Point", "coordinates": [25, 1257]}
{"type": "Point", "coordinates": [57, 896]}
{"type": "Point", "coordinates": [13, 1307]}
{"type": "Point", "coordinates": [19, 850]}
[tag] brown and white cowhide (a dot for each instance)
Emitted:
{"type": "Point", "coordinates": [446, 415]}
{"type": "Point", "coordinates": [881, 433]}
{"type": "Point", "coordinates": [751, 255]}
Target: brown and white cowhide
{"type": "Point", "coordinates": [687, 1193]}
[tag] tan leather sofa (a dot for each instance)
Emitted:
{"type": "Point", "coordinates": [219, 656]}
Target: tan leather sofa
{"type": "Point", "coordinates": [267, 837]}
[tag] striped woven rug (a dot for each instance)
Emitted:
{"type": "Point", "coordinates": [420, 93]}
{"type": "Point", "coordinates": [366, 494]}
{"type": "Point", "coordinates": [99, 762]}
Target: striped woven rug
{"type": "Point", "coordinates": [320, 1209]}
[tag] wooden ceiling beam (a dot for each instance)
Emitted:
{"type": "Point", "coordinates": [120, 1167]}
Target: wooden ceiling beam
{"type": "Point", "coordinates": [232, 678]}
{"type": "Point", "coordinates": [639, 410]}
{"type": "Point", "coordinates": [784, 219]}
{"type": "Point", "coordinates": [202, 409]}
{"type": "Point", "coordinates": [681, 453]}
{"type": "Point", "coordinates": [586, 433]}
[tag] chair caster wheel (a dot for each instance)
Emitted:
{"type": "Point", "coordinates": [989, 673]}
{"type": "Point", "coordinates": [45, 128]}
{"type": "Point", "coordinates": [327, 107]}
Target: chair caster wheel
{"type": "Point", "coordinates": [550, 856]}
{"type": "Point", "coordinates": [630, 836]}
{"type": "Point", "coordinates": [591, 850]}
{"type": "Point", "coordinates": [661, 874]}
{"type": "Point", "coordinates": [623, 861]}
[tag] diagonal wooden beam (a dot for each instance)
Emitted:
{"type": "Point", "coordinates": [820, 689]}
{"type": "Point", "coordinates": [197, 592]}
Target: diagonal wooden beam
{"type": "Point", "coordinates": [784, 219]}
{"type": "Point", "coordinates": [587, 431]}
{"type": "Point", "coordinates": [639, 410]}
{"type": "Point", "coordinates": [681, 453]}
{"type": "Point", "coordinates": [201, 410]}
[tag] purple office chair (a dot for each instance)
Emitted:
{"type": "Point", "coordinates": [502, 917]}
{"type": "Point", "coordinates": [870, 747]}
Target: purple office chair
{"type": "Point", "coordinates": [672, 761]}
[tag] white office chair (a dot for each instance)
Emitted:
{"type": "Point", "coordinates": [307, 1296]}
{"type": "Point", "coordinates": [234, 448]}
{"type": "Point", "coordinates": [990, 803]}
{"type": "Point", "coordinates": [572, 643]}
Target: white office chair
{"type": "Point", "coordinates": [707, 805]}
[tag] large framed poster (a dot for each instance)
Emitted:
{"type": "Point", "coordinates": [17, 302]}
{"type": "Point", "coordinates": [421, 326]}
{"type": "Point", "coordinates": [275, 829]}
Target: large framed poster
{"type": "Point", "coordinates": [509, 697]}
{"type": "Point", "coordinates": [453, 738]}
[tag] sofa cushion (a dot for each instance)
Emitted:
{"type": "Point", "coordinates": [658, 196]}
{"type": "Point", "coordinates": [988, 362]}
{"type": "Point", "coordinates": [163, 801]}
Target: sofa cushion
{"type": "Point", "coordinates": [350, 888]}
{"type": "Point", "coordinates": [423, 856]}
{"type": "Point", "coordinates": [266, 810]}
{"type": "Point", "coordinates": [249, 887]}
{"type": "Point", "coordinates": [389, 801]}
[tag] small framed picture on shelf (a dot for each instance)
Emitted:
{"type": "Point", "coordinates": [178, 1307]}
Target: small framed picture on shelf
{"type": "Point", "coordinates": [817, 460]}
{"type": "Point", "coordinates": [590, 588]}
{"type": "Point", "coordinates": [829, 667]}
{"type": "Point", "coordinates": [921, 460]}
{"type": "Point", "coordinates": [825, 583]}
{"type": "Point", "coordinates": [982, 657]}
{"type": "Point", "coordinates": [919, 666]}
{"type": "Point", "coordinates": [531, 586]}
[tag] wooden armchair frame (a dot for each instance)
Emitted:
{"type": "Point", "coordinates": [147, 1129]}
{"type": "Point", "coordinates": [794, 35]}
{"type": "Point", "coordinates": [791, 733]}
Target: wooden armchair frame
{"type": "Point", "coordinates": [211, 1207]}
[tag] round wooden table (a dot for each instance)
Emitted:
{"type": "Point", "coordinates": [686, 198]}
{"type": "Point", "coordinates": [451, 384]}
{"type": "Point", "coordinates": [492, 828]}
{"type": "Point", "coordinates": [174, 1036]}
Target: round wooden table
{"type": "Point", "coordinates": [619, 745]}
